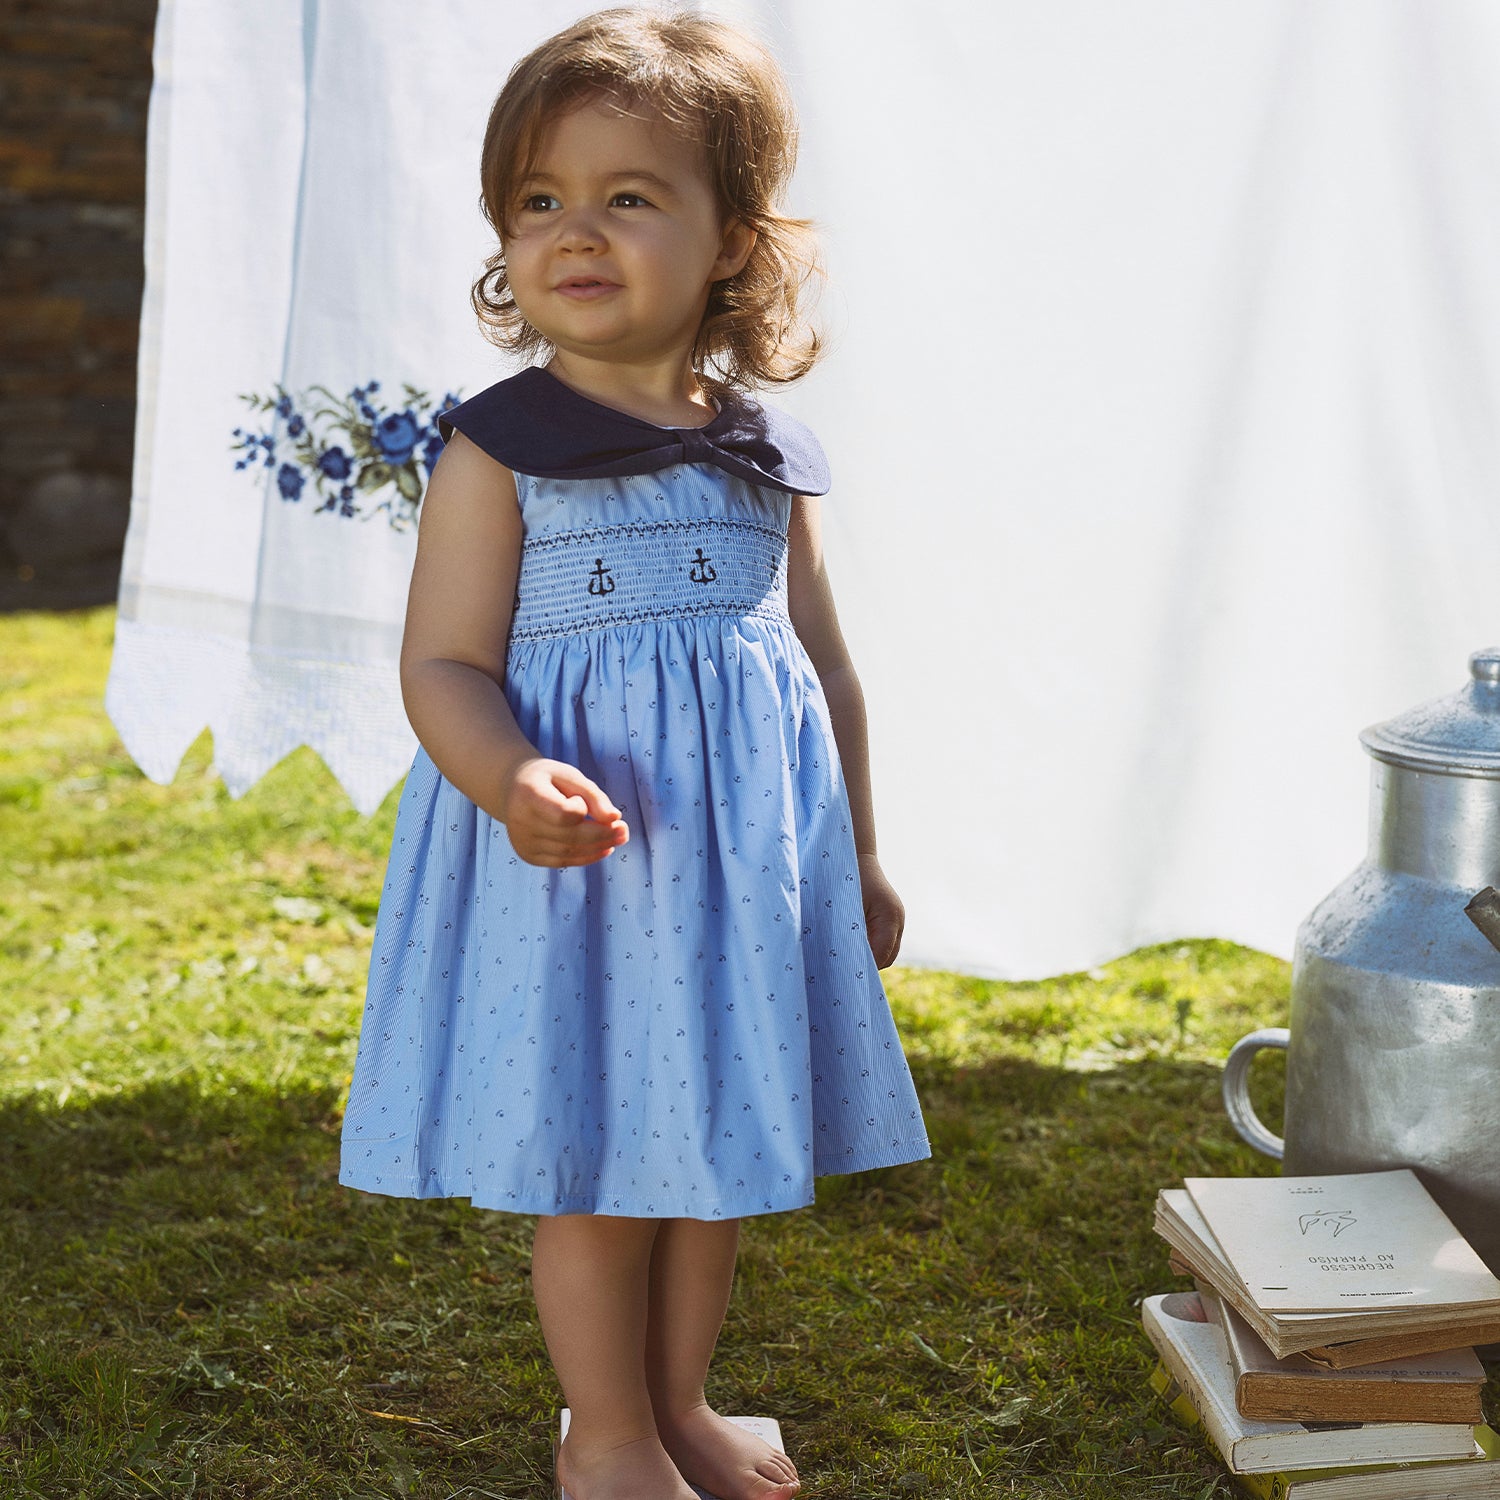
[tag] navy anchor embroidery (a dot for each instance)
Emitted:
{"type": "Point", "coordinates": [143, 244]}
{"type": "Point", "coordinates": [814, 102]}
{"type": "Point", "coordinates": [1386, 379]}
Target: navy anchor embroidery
{"type": "Point", "coordinates": [600, 581]}
{"type": "Point", "coordinates": [702, 570]}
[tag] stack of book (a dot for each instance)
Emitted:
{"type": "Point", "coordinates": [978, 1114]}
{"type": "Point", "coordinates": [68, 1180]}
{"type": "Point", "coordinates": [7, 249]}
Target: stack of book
{"type": "Point", "coordinates": [1328, 1351]}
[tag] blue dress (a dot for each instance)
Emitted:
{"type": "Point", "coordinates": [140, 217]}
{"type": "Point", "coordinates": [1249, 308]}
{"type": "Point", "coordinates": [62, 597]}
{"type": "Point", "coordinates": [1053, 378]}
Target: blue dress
{"type": "Point", "coordinates": [694, 1026]}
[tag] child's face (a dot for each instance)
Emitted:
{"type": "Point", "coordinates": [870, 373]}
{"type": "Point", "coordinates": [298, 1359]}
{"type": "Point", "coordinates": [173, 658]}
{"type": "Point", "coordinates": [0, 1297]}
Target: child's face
{"type": "Point", "coordinates": [616, 239]}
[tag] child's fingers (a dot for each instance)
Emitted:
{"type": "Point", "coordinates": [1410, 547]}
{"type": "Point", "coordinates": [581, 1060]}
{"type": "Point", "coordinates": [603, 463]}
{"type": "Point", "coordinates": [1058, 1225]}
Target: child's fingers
{"type": "Point", "coordinates": [885, 941]}
{"type": "Point", "coordinates": [552, 791]}
{"type": "Point", "coordinates": [541, 837]}
{"type": "Point", "coordinates": [885, 919]}
{"type": "Point", "coordinates": [557, 817]}
{"type": "Point", "coordinates": [557, 853]}
{"type": "Point", "coordinates": [579, 791]}
{"type": "Point", "coordinates": [583, 838]}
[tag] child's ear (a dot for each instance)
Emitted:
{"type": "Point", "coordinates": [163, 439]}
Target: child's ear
{"type": "Point", "coordinates": [734, 250]}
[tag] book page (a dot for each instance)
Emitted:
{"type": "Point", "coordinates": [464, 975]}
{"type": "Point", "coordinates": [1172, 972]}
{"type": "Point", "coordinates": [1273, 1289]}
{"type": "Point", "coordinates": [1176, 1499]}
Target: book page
{"type": "Point", "coordinates": [1248, 1353]}
{"type": "Point", "coordinates": [1194, 1229]}
{"type": "Point", "coordinates": [1341, 1243]}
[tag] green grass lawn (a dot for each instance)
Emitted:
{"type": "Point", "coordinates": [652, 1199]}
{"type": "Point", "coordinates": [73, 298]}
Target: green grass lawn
{"type": "Point", "coordinates": [193, 1306]}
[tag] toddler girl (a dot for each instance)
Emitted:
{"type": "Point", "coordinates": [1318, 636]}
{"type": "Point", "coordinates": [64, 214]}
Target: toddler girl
{"type": "Point", "coordinates": [624, 974]}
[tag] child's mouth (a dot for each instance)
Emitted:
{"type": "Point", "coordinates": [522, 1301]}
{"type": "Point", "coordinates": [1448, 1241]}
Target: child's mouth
{"type": "Point", "coordinates": [585, 288]}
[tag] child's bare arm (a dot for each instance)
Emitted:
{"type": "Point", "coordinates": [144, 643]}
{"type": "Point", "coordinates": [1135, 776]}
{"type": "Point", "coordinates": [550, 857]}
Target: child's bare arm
{"type": "Point", "coordinates": [458, 618]}
{"type": "Point", "coordinates": [810, 603]}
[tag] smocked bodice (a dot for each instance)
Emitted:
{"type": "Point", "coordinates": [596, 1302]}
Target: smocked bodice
{"type": "Point", "coordinates": [681, 542]}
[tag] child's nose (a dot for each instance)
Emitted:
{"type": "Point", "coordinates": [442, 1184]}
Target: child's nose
{"type": "Point", "coordinates": [581, 229]}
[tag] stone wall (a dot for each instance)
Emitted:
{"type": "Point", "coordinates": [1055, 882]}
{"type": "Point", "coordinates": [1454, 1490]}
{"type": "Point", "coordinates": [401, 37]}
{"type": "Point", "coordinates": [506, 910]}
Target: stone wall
{"type": "Point", "coordinates": [75, 77]}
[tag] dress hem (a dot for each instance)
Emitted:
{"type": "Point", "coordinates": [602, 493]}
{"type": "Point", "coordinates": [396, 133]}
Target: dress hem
{"type": "Point", "coordinates": [899, 1153]}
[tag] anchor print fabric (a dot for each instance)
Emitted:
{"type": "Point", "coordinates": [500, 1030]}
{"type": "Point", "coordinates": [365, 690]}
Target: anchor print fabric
{"type": "Point", "coordinates": [695, 1026]}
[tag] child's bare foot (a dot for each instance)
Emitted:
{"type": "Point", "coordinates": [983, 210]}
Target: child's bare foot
{"type": "Point", "coordinates": [722, 1458]}
{"type": "Point", "coordinates": [637, 1470]}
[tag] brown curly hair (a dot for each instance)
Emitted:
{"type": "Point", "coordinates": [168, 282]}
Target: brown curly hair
{"type": "Point", "coordinates": [717, 86]}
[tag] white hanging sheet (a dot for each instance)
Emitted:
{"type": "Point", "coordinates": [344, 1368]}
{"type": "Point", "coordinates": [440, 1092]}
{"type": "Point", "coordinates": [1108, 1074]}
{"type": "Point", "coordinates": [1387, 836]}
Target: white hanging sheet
{"type": "Point", "coordinates": [1162, 412]}
{"type": "Point", "coordinates": [312, 228]}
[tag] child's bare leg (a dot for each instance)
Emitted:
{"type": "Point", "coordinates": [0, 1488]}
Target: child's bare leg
{"type": "Point", "coordinates": [692, 1270]}
{"type": "Point", "coordinates": [590, 1274]}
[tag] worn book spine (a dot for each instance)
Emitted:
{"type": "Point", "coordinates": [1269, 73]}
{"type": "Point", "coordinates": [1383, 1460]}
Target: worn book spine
{"type": "Point", "coordinates": [1193, 1347]}
{"type": "Point", "coordinates": [1303, 1484]}
{"type": "Point", "coordinates": [1346, 1355]}
{"type": "Point", "coordinates": [1445, 1388]}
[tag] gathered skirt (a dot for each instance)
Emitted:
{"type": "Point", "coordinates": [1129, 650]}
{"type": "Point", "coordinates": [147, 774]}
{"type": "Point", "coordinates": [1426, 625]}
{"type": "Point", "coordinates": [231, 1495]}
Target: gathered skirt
{"type": "Point", "coordinates": [693, 1026]}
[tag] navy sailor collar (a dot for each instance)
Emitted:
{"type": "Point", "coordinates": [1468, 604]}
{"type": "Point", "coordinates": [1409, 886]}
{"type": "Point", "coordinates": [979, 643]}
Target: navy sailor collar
{"type": "Point", "coordinates": [534, 424]}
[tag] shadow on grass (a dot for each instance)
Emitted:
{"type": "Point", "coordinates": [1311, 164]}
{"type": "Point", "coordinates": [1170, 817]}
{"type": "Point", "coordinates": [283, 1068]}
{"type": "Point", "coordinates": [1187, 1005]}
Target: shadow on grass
{"type": "Point", "coordinates": [195, 1305]}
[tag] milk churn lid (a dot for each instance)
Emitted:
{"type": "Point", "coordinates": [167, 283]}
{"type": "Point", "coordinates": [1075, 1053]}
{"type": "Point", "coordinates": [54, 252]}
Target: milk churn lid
{"type": "Point", "coordinates": [1459, 734]}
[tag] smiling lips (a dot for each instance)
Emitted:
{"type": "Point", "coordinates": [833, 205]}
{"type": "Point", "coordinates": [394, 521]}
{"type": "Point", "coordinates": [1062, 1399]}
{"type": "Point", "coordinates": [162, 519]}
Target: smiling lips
{"type": "Point", "coordinates": [586, 288]}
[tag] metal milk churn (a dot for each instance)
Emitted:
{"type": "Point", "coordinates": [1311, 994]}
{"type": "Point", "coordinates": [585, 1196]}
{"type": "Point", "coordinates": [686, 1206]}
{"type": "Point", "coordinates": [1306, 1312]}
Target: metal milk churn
{"type": "Point", "coordinates": [1393, 1052]}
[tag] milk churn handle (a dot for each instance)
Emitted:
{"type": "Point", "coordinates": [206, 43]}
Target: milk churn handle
{"type": "Point", "coordinates": [1237, 1089]}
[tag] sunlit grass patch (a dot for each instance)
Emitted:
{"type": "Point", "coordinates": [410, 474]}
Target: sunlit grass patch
{"type": "Point", "coordinates": [195, 1307]}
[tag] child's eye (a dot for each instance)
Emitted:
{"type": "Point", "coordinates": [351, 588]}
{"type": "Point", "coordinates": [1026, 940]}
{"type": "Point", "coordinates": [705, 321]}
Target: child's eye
{"type": "Point", "coordinates": [629, 200]}
{"type": "Point", "coordinates": [539, 203]}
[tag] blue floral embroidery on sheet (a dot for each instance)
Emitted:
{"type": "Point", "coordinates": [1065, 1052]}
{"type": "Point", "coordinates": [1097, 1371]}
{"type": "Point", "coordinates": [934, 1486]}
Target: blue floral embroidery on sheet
{"type": "Point", "coordinates": [357, 456]}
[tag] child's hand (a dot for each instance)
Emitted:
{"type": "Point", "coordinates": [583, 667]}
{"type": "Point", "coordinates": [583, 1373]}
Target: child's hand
{"type": "Point", "coordinates": [885, 916]}
{"type": "Point", "coordinates": [556, 816]}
